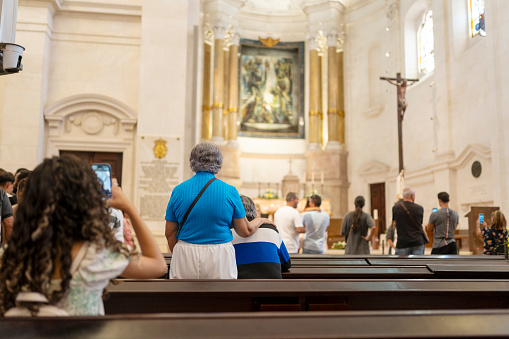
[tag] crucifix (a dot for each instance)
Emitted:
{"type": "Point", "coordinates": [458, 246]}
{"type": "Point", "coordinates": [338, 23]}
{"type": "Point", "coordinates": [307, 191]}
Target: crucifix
{"type": "Point", "coordinates": [401, 84]}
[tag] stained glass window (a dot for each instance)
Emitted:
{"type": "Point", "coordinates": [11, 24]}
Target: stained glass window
{"type": "Point", "coordinates": [426, 43]}
{"type": "Point", "coordinates": [477, 24]}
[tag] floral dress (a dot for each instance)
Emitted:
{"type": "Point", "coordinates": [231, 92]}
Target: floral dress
{"type": "Point", "coordinates": [92, 269]}
{"type": "Point", "coordinates": [493, 237]}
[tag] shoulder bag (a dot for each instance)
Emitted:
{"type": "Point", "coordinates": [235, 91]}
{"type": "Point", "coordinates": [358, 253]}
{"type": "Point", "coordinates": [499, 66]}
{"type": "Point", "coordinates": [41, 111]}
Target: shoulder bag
{"type": "Point", "coordinates": [424, 235]}
{"type": "Point", "coordinates": [181, 224]}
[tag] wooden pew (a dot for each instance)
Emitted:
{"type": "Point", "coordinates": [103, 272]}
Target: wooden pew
{"type": "Point", "coordinates": [408, 324]}
{"type": "Point", "coordinates": [162, 296]}
{"type": "Point", "coordinates": [422, 267]}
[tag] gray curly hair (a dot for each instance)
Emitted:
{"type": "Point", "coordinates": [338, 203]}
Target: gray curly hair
{"type": "Point", "coordinates": [249, 207]}
{"type": "Point", "coordinates": [206, 157]}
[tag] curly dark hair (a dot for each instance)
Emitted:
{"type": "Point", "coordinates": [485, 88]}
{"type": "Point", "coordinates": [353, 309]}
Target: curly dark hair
{"type": "Point", "coordinates": [62, 204]}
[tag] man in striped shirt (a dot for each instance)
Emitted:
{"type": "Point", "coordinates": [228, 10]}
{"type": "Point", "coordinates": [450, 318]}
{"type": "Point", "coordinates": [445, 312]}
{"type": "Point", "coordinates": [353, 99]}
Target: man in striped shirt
{"type": "Point", "coordinates": [262, 255]}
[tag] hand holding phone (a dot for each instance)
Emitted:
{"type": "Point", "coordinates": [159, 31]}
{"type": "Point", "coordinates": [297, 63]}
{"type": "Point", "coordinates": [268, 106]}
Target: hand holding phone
{"type": "Point", "coordinates": [481, 218]}
{"type": "Point", "coordinates": [103, 173]}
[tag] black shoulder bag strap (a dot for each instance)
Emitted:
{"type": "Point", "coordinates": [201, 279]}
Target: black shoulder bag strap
{"type": "Point", "coordinates": [181, 224]}
{"type": "Point", "coordinates": [419, 226]}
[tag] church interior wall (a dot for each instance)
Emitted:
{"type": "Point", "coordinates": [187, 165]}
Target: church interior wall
{"type": "Point", "coordinates": [21, 135]}
{"type": "Point", "coordinates": [370, 128]}
{"type": "Point", "coordinates": [447, 109]}
{"type": "Point", "coordinates": [95, 54]}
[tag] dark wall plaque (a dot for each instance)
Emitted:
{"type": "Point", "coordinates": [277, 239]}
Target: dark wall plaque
{"type": "Point", "coordinates": [476, 169]}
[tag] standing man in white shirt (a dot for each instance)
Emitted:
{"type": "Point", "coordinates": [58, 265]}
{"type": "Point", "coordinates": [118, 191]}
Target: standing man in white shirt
{"type": "Point", "coordinates": [289, 223]}
{"type": "Point", "coordinates": [316, 222]}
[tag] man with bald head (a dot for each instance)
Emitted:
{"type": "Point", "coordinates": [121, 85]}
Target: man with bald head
{"type": "Point", "coordinates": [408, 217]}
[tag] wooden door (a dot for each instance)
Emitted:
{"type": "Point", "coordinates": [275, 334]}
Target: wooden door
{"type": "Point", "coordinates": [377, 192]}
{"type": "Point", "coordinates": [114, 159]}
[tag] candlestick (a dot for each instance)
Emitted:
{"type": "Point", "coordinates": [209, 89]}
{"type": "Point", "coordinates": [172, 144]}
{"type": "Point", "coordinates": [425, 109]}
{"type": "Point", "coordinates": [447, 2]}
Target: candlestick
{"type": "Point", "coordinates": [312, 177]}
{"type": "Point", "coordinates": [304, 176]}
{"type": "Point", "coordinates": [321, 177]}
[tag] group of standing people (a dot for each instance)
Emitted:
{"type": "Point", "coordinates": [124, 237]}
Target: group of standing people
{"type": "Point", "coordinates": [407, 220]}
{"type": "Point", "coordinates": [313, 224]}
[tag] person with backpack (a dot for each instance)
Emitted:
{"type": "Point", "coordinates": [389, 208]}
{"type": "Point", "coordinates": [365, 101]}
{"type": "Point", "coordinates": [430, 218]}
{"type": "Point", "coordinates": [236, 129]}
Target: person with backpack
{"type": "Point", "coordinates": [494, 236]}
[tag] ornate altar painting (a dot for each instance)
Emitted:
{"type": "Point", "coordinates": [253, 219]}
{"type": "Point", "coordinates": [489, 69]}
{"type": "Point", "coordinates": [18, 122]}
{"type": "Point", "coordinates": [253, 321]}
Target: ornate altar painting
{"type": "Point", "coordinates": [271, 90]}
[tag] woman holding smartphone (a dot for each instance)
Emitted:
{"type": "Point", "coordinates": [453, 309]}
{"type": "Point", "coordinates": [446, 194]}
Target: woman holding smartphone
{"type": "Point", "coordinates": [494, 236]}
{"type": "Point", "coordinates": [62, 249]}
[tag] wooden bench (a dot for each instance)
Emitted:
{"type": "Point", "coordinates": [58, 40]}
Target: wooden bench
{"type": "Point", "coordinates": [397, 267]}
{"type": "Point", "coordinates": [406, 324]}
{"type": "Point", "coordinates": [162, 296]}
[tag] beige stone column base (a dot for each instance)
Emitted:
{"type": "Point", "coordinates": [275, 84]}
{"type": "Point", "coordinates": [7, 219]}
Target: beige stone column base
{"type": "Point", "coordinates": [230, 172]}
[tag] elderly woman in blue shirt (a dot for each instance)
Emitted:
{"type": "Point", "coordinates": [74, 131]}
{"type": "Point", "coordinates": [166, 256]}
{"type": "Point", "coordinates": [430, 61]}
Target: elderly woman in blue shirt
{"type": "Point", "coordinates": [202, 248]}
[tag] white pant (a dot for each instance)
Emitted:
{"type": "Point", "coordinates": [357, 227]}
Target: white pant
{"type": "Point", "coordinates": [193, 261]}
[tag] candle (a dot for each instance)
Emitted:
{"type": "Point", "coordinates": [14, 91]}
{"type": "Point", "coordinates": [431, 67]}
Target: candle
{"type": "Point", "coordinates": [321, 177]}
{"type": "Point", "coordinates": [312, 177]}
{"type": "Point", "coordinates": [375, 214]}
{"type": "Point", "coordinates": [304, 176]}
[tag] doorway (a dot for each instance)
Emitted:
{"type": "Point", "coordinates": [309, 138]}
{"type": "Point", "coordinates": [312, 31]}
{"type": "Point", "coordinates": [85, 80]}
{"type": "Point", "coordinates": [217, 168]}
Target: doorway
{"type": "Point", "coordinates": [114, 159]}
{"type": "Point", "coordinates": [377, 192]}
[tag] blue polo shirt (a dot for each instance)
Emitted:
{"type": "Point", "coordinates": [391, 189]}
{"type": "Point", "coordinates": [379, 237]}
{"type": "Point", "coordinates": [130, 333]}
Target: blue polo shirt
{"type": "Point", "coordinates": [210, 219]}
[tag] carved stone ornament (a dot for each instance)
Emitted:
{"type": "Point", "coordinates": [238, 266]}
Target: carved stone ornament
{"type": "Point", "coordinates": [91, 123]}
{"type": "Point", "coordinates": [392, 11]}
{"type": "Point", "coordinates": [160, 148]}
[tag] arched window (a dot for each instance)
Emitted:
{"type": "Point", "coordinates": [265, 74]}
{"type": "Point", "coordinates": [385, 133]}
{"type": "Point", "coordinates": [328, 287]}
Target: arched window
{"type": "Point", "coordinates": [477, 24]}
{"type": "Point", "coordinates": [426, 43]}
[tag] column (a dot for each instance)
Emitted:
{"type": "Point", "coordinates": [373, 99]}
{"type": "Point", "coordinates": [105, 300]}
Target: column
{"type": "Point", "coordinates": [206, 120]}
{"type": "Point", "coordinates": [226, 88]}
{"type": "Point", "coordinates": [234, 92]}
{"type": "Point", "coordinates": [341, 99]}
{"type": "Point", "coordinates": [333, 112]}
{"type": "Point", "coordinates": [218, 85]}
{"type": "Point", "coordinates": [315, 114]}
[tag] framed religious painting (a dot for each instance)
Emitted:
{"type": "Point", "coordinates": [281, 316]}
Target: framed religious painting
{"type": "Point", "coordinates": [271, 89]}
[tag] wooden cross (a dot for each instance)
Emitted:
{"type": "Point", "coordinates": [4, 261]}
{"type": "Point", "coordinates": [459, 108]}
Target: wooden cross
{"type": "Point", "coordinates": [401, 84]}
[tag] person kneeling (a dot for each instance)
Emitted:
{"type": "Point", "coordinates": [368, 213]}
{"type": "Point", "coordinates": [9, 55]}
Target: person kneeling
{"type": "Point", "coordinates": [262, 255]}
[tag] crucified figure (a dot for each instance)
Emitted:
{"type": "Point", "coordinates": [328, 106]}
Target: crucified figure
{"type": "Point", "coordinates": [401, 85]}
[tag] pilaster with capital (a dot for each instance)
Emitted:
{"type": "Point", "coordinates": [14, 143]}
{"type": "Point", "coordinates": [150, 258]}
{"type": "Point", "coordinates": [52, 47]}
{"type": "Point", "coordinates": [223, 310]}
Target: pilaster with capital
{"type": "Point", "coordinates": [333, 112]}
{"type": "Point", "coordinates": [315, 114]}
{"type": "Point", "coordinates": [206, 124]}
{"type": "Point", "coordinates": [234, 90]}
{"type": "Point", "coordinates": [219, 30]}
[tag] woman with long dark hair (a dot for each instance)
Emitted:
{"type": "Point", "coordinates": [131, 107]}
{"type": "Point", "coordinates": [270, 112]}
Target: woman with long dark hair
{"type": "Point", "coordinates": [355, 228]}
{"type": "Point", "coordinates": [62, 247]}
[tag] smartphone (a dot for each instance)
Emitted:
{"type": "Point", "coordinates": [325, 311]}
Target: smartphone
{"type": "Point", "coordinates": [103, 173]}
{"type": "Point", "coordinates": [434, 210]}
{"type": "Point", "coordinates": [481, 218]}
